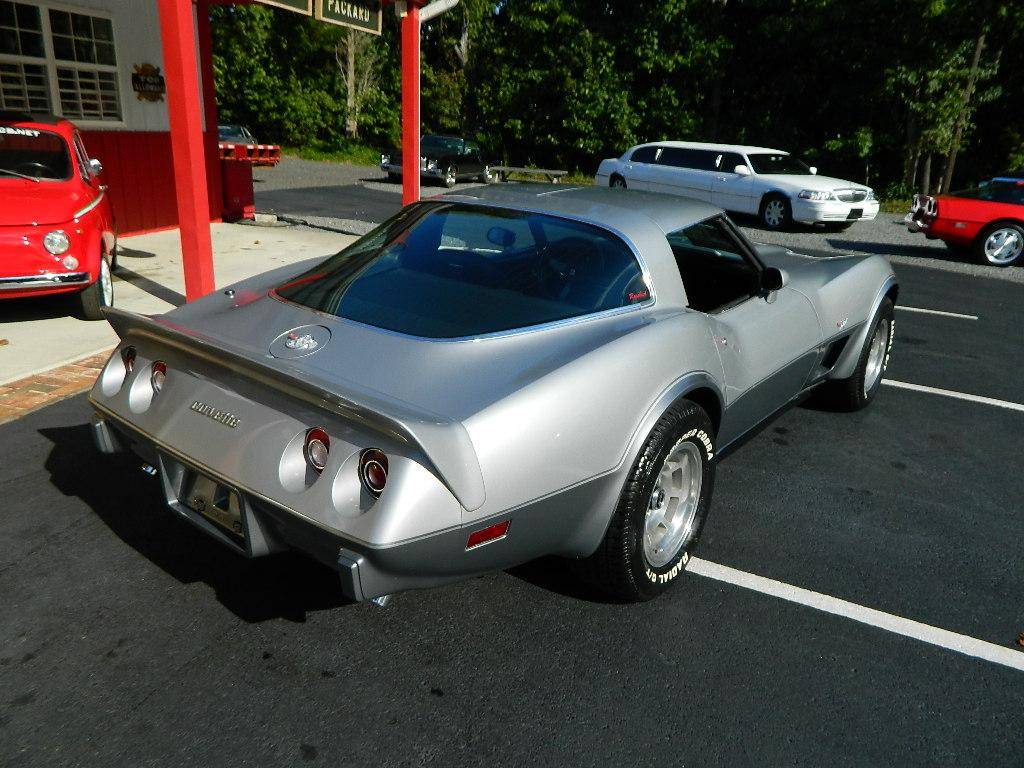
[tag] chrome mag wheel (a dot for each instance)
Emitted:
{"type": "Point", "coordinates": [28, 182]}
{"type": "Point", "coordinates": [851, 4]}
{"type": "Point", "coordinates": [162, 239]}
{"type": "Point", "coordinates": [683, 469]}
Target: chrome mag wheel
{"type": "Point", "coordinates": [672, 509]}
{"type": "Point", "coordinates": [1003, 246]}
{"type": "Point", "coordinates": [876, 356]}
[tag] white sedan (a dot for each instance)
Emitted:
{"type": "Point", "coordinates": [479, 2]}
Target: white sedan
{"type": "Point", "coordinates": [773, 185]}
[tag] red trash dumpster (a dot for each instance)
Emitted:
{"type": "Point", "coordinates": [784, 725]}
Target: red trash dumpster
{"type": "Point", "coordinates": [239, 199]}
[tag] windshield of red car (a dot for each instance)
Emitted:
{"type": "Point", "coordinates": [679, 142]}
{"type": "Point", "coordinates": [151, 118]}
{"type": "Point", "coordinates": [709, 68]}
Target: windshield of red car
{"type": "Point", "coordinates": [996, 191]}
{"type": "Point", "coordinates": [439, 270]}
{"type": "Point", "coordinates": [35, 153]}
{"type": "Point", "coordinates": [778, 163]}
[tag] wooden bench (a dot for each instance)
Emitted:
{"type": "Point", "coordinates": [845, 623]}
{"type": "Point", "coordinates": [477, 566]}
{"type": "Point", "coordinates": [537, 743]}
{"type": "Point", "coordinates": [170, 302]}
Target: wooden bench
{"type": "Point", "coordinates": [504, 171]}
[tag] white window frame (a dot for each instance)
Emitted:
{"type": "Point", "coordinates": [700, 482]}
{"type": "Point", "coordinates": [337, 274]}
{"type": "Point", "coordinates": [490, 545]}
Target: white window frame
{"type": "Point", "coordinates": [51, 63]}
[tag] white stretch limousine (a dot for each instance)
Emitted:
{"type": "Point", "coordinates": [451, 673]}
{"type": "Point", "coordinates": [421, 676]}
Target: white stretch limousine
{"type": "Point", "coordinates": [773, 185]}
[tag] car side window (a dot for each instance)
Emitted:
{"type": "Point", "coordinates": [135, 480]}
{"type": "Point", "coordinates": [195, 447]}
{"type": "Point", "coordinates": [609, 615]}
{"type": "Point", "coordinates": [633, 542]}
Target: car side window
{"type": "Point", "coordinates": [715, 272]}
{"type": "Point", "coordinates": [728, 161]}
{"type": "Point", "coordinates": [644, 155]}
{"type": "Point", "coordinates": [473, 150]}
{"type": "Point", "coordinates": [82, 157]}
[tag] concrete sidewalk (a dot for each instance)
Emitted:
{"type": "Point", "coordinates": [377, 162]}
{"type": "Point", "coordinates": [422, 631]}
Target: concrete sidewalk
{"type": "Point", "coordinates": [39, 335]}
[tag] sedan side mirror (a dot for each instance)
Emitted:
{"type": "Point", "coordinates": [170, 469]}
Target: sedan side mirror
{"type": "Point", "coordinates": [773, 279]}
{"type": "Point", "coordinates": [741, 170]}
{"type": "Point", "coordinates": [813, 169]}
{"type": "Point", "coordinates": [95, 167]}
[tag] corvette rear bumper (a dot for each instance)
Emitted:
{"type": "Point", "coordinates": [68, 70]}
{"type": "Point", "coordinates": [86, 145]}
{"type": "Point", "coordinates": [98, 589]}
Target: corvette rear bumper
{"type": "Point", "coordinates": [260, 526]}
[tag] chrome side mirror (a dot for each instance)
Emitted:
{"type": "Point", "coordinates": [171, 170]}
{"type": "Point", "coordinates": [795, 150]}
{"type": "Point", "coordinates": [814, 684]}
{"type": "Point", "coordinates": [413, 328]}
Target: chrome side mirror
{"type": "Point", "coordinates": [741, 170]}
{"type": "Point", "coordinates": [813, 169]}
{"type": "Point", "coordinates": [95, 167]}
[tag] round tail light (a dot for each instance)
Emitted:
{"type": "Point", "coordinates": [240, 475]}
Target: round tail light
{"type": "Point", "coordinates": [318, 446]}
{"type": "Point", "coordinates": [128, 358]}
{"type": "Point", "coordinates": [373, 470]}
{"type": "Point", "coordinates": [156, 378]}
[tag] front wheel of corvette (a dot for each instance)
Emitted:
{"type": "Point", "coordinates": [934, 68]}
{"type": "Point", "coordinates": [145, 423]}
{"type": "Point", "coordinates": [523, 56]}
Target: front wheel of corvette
{"type": "Point", "coordinates": [860, 389]}
{"type": "Point", "coordinates": [661, 510]}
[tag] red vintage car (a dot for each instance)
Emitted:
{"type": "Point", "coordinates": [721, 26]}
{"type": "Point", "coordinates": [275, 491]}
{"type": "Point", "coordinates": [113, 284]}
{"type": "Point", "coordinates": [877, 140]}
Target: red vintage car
{"type": "Point", "coordinates": [988, 220]}
{"type": "Point", "coordinates": [56, 227]}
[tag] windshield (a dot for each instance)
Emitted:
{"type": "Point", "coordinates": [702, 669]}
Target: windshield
{"type": "Point", "coordinates": [996, 191]}
{"type": "Point", "coordinates": [778, 163]}
{"type": "Point", "coordinates": [450, 271]}
{"type": "Point", "coordinates": [440, 145]}
{"type": "Point", "coordinates": [233, 132]}
{"type": "Point", "coordinates": [33, 153]}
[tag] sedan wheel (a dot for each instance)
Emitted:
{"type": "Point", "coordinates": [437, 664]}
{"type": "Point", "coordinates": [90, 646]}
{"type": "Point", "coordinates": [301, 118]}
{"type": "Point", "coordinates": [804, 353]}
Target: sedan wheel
{"type": "Point", "coordinates": [618, 183]}
{"type": "Point", "coordinates": [1002, 245]}
{"type": "Point", "coordinates": [858, 390]}
{"type": "Point", "coordinates": [450, 176]}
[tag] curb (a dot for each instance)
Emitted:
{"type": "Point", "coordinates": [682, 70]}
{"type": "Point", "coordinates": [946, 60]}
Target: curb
{"type": "Point", "coordinates": [23, 396]}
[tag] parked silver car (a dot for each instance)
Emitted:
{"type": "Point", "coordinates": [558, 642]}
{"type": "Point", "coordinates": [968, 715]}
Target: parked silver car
{"type": "Point", "coordinates": [489, 377]}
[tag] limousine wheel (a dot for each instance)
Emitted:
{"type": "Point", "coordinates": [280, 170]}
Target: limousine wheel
{"type": "Point", "coordinates": [776, 212]}
{"type": "Point", "coordinates": [617, 182]}
{"type": "Point", "coordinates": [661, 510]}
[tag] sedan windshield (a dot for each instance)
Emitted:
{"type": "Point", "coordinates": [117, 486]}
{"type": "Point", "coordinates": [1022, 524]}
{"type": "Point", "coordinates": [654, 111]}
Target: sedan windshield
{"type": "Point", "coordinates": [440, 145]}
{"type": "Point", "coordinates": [997, 191]}
{"type": "Point", "coordinates": [33, 153]}
{"type": "Point", "coordinates": [778, 163]}
{"type": "Point", "coordinates": [449, 271]}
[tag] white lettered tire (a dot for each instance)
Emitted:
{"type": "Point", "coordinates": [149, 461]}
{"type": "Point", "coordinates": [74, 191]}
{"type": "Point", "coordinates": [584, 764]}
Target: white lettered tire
{"type": "Point", "coordinates": [661, 510]}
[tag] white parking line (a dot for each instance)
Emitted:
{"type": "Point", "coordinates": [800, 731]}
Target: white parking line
{"type": "Point", "coordinates": [952, 393]}
{"type": "Point", "coordinates": [936, 312]}
{"type": "Point", "coordinates": [926, 633]}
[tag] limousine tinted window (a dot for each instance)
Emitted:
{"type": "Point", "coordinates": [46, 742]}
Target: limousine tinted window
{"type": "Point", "coordinates": [765, 163]}
{"type": "Point", "coordinates": [729, 160]}
{"type": "Point", "coordinates": [696, 159]}
{"type": "Point", "coordinates": [644, 155]}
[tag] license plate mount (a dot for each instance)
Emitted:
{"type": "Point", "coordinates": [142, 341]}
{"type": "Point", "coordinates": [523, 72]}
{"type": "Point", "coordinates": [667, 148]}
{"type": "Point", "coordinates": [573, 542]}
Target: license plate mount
{"type": "Point", "coordinates": [218, 503]}
{"type": "Point", "coordinates": [855, 213]}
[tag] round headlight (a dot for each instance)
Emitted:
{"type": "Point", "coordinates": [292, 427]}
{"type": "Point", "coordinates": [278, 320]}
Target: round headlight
{"type": "Point", "coordinates": [57, 242]}
{"type": "Point", "coordinates": [70, 262]}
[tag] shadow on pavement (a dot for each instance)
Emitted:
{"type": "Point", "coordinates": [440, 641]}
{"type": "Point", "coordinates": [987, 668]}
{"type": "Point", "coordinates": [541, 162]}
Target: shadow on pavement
{"type": "Point", "coordinates": [285, 586]}
{"type": "Point", "coordinates": [353, 201]}
{"type": "Point", "coordinates": [39, 308]}
{"type": "Point", "coordinates": [151, 287]}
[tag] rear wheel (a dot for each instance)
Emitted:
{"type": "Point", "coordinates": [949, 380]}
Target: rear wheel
{"type": "Point", "coordinates": [94, 299]}
{"type": "Point", "coordinates": [661, 510]}
{"type": "Point", "coordinates": [617, 182]}
{"type": "Point", "coordinates": [451, 175]}
{"type": "Point", "coordinates": [487, 177]}
{"type": "Point", "coordinates": [860, 389]}
{"type": "Point", "coordinates": [1001, 244]}
{"type": "Point", "coordinates": [776, 212]}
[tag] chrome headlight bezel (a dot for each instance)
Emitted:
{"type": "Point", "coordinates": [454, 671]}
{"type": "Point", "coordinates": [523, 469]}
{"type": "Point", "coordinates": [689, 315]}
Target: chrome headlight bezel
{"type": "Point", "coordinates": [57, 242]}
{"type": "Point", "coordinates": [816, 195]}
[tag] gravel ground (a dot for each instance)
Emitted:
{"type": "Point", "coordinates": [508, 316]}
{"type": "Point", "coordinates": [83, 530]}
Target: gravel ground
{"type": "Point", "coordinates": [352, 198]}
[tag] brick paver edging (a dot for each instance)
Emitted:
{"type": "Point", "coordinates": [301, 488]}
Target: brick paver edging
{"type": "Point", "coordinates": [33, 392]}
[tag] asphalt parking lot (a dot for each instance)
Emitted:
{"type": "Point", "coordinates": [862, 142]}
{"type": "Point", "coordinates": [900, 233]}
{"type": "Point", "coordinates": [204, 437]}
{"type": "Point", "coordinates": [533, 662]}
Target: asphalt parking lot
{"type": "Point", "coordinates": [857, 601]}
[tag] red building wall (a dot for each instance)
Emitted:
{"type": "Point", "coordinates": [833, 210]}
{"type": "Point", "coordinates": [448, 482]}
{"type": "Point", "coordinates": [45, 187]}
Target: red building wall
{"type": "Point", "coordinates": [138, 172]}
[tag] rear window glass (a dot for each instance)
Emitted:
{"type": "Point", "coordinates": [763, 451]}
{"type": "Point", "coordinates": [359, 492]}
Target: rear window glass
{"type": "Point", "coordinates": [451, 271]}
{"type": "Point", "coordinates": [34, 153]}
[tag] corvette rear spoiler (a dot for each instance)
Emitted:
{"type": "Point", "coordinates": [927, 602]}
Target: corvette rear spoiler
{"type": "Point", "coordinates": [445, 442]}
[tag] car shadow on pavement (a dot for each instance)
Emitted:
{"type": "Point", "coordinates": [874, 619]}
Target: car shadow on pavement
{"type": "Point", "coordinates": [130, 503]}
{"type": "Point", "coordinates": [39, 308]}
{"type": "Point", "coordinates": [896, 249]}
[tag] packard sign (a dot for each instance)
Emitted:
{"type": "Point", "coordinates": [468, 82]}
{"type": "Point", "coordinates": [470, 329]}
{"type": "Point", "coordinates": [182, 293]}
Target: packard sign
{"type": "Point", "coordinates": [364, 15]}
{"type": "Point", "coordinates": [360, 14]}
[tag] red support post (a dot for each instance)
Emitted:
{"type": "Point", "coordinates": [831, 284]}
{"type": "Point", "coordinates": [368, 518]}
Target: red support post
{"type": "Point", "coordinates": [206, 79]}
{"type": "Point", "coordinates": [184, 108]}
{"type": "Point", "coordinates": [411, 103]}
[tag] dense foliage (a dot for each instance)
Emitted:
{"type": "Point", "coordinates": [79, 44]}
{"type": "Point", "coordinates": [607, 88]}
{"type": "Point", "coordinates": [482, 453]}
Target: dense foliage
{"type": "Point", "coordinates": [873, 90]}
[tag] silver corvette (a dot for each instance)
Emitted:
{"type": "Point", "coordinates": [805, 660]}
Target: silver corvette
{"type": "Point", "coordinates": [489, 377]}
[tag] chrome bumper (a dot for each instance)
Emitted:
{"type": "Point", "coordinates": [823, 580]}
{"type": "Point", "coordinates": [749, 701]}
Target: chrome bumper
{"type": "Point", "coordinates": [45, 280]}
{"type": "Point", "coordinates": [435, 173]}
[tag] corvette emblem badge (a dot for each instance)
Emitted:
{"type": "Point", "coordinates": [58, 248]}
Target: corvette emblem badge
{"type": "Point", "coordinates": [303, 341]}
{"type": "Point", "coordinates": [221, 417]}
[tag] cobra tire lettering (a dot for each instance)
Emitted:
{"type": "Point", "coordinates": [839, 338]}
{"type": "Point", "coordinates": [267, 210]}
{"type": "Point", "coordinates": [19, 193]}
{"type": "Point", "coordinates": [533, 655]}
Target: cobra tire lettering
{"type": "Point", "coordinates": [701, 435]}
